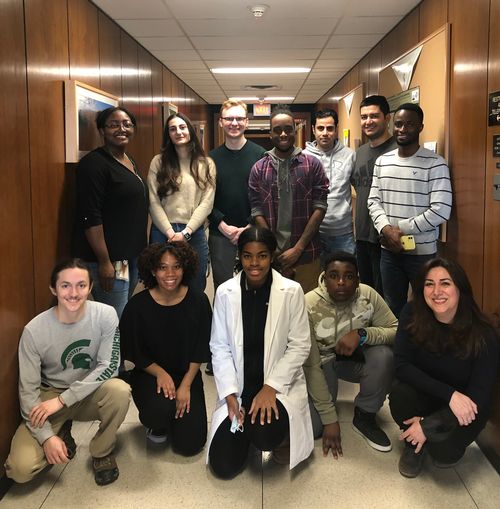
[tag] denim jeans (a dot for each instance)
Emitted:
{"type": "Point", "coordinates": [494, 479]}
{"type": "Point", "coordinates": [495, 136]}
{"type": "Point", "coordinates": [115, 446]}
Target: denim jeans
{"type": "Point", "coordinates": [121, 291]}
{"type": "Point", "coordinates": [331, 243]}
{"type": "Point", "coordinates": [198, 242]}
{"type": "Point", "coordinates": [398, 270]}
{"type": "Point", "coordinates": [223, 257]}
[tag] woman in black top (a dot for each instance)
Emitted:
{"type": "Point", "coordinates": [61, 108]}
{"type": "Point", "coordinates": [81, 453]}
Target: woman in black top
{"type": "Point", "coordinates": [446, 357]}
{"type": "Point", "coordinates": [165, 331]}
{"type": "Point", "coordinates": [112, 210]}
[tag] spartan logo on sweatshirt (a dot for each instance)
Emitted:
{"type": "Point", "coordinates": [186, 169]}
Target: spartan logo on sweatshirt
{"type": "Point", "coordinates": [73, 355]}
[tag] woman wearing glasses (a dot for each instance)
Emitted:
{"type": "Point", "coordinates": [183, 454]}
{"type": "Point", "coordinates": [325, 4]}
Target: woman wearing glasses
{"type": "Point", "coordinates": [112, 210]}
{"type": "Point", "coordinates": [181, 182]}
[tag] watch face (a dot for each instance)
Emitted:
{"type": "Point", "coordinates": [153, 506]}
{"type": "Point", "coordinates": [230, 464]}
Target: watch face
{"type": "Point", "coordinates": [362, 333]}
{"type": "Point", "coordinates": [187, 235]}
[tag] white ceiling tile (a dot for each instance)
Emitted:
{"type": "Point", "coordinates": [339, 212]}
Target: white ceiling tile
{"type": "Point", "coordinates": [367, 24]}
{"type": "Point", "coordinates": [251, 27]}
{"type": "Point", "coordinates": [383, 7]}
{"type": "Point", "coordinates": [189, 64]}
{"type": "Point", "coordinates": [150, 27]}
{"type": "Point", "coordinates": [177, 55]}
{"type": "Point", "coordinates": [132, 9]}
{"type": "Point", "coordinates": [334, 64]}
{"type": "Point", "coordinates": [265, 42]}
{"type": "Point", "coordinates": [342, 53]}
{"type": "Point", "coordinates": [354, 41]}
{"type": "Point", "coordinates": [165, 43]}
{"type": "Point", "coordinates": [271, 55]}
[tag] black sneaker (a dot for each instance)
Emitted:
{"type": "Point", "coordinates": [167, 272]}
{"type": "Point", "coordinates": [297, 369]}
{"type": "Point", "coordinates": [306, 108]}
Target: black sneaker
{"type": "Point", "coordinates": [365, 424]}
{"type": "Point", "coordinates": [410, 463]}
{"type": "Point", "coordinates": [105, 470]}
{"type": "Point", "coordinates": [65, 435]}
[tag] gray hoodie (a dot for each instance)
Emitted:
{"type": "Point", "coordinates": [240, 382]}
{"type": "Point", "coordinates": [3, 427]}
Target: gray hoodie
{"type": "Point", "coordinates": [339, 165]}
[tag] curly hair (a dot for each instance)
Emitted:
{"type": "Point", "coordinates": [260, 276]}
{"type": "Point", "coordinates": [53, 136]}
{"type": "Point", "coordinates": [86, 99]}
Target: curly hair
{"type": "Point", "coordinates": [150, 259]}
{"type": "Point", "coordinates": [168, 176]}
{"type": "Point", "coordinates": [470, 327]}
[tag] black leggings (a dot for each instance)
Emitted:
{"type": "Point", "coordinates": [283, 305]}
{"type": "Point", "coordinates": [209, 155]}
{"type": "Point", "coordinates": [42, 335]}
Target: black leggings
{"type": "Point", "coordinates": [187, 434]}
{"type": "Point", "coordinates": [406, 402]}
{"type": "Point", "coordinates": [229, 451]}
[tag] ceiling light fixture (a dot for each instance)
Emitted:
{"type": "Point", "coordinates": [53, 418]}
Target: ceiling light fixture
{"type": "Point", "coordinates": [258, 10]}
{"type": "Point", "coordinates": [260, 70]}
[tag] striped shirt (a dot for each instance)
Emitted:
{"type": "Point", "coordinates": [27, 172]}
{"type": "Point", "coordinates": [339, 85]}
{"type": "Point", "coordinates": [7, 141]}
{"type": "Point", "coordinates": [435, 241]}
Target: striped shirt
{"type": "Point", "coordinates": [412, 193]}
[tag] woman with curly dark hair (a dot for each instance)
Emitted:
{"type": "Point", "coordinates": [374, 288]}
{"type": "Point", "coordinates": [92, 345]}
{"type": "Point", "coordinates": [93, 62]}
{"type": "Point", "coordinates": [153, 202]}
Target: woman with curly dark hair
{"type": "Point", "coordinates": [165, 331]}
{"type": "Point", "coordinates": [446, 357]}
{"type": "Point", "coordinates": [181, 181]}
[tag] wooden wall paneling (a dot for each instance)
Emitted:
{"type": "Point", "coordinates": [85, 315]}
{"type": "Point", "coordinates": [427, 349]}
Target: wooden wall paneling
{"type": "Point", "coordinates": [157, 88]}
{"type": "Point", "coordinates": [354, 77]}
{"type": "Point", "coordinates": [375, 59]}
{"type": "Point", "coordinates": [364, 71]}
{"type": "Point", "coordinates": [467, 136]}
{"type": "Point", "coordinates": [401, 38]}
{"type": "Point", "coordinates": [490, 437]}
{"type": "Point", "coordinates": [432, 15]}
{"type": "Point", "coordinates": [83, 42]}
{"type": "Point", "coordinates": [52, 189]}
{"type": "Point", "coordinates": [144, 135]}
{"type": "Point", "coordinates": [16, 248]}
{"type": "Point", "coordinates": [130, 83]}
{"type": "Point", "coordinates": [110, 68]}
{"type": "Point", "coordinates": [176, 91]}
{"type": "Point", "coordinates": [181, 88]}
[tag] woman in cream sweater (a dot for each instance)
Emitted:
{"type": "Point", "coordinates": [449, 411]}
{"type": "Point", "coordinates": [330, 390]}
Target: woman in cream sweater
{"type": "Point", "coordinates": [181, 182]}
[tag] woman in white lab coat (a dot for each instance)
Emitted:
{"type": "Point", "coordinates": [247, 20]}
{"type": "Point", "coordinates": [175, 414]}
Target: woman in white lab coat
{"type": "Point", "coordinates": [260, 339]}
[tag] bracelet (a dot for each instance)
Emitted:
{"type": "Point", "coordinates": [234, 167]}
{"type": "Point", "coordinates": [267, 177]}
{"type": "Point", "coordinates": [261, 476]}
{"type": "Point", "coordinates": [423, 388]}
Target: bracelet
{"type": "Point", "coordinates": [61, 400]}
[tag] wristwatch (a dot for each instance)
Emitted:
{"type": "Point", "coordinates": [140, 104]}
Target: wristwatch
{"type": "Point", "coordinates": [363, 336]}
{"type": "Point", "coordinates": [186, 235]}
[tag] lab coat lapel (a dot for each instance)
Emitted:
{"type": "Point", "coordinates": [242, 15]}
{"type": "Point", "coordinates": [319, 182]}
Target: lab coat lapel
{"type": "Point", "coordinates": [276, 300]}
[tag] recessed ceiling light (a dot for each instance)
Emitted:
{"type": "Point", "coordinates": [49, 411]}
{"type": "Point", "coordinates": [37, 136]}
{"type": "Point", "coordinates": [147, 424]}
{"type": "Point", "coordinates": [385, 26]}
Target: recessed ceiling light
{"type": "Point", "coordinates": [260, 70]}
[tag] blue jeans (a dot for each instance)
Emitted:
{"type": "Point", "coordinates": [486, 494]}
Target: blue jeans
{"type": "Point", "coordinates": [198, 242]}
{"type": "Point", "coordinates": [398, 270]}
{"type": "Point", "coordinates": [121, 291]}
{"type": "Point", "coordinates": [330, 244]}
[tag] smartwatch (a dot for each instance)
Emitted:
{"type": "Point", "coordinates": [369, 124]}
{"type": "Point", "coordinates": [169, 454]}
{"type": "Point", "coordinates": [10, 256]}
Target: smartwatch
{"type": "Point", "coordinates": [363, 336]}
{"type": "Point", "coordinates": [186, 235]}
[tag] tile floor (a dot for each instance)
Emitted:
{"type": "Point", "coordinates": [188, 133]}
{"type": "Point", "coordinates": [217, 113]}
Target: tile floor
{"type": "Point", "coordinates": [156, 478]}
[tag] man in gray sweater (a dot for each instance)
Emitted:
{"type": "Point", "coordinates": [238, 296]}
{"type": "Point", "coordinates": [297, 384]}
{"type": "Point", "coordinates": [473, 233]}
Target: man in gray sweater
{"type": "Point", "coordinates": [410, 195]}
{"type": "Point", "coordinates": [336, 231]}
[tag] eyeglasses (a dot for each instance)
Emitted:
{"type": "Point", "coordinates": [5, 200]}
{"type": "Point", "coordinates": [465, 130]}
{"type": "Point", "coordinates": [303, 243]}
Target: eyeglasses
{"type": "Point", "coordinates": [116, 125]}
{"type": "Point", "coordinates": [230, 120]}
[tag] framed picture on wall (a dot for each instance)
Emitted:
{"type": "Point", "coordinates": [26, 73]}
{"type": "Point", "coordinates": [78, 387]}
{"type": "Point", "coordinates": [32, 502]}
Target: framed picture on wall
{"type": "Point", "coordinates": [81, 104]}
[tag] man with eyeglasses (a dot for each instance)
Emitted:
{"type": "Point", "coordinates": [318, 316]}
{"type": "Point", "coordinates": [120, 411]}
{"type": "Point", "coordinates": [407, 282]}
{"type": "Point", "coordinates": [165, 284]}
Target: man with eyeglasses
{"type": "Point", "coordinates": [338, 162]}
{"type": "Point", "coordinates": [231, 211]}
{"type": "Point", "coordinates": [410, 195]}
{"type": "Point", "coordinates": [288, 191]}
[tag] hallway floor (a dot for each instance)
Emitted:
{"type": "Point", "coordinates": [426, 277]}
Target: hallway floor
{"type": "Point", "coordinates": [157, 478]}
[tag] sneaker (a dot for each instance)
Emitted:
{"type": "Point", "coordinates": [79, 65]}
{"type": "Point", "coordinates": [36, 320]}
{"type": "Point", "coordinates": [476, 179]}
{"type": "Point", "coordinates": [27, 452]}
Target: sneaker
{"type": "Point", "coordinates": [208, 369]}
{"type": "Point", "coordinates": [410, 464]}
{"type": "Point", "coordinates": [156, 436]}
{"type": "Point", "coordinates": [105, 470]}
{"type": "Point", "coordinates": [365, 424]}
{"type": "Point", "coordinates": [65, 435]}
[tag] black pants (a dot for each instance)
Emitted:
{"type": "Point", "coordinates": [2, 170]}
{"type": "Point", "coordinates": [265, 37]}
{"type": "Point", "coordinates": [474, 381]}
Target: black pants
{"type": "Point", "coordinates": [406, 402]}
{"type": "Point", "coordinates": [187, 434]}
{"type": "Point", "coordinates": [229, 451]}
{"type": "Point", "coordinates": [368, 256]}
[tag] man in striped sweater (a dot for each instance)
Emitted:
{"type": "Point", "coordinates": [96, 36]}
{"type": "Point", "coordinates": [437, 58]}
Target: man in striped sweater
{"type": "Point", "coordinates": [410, 195]}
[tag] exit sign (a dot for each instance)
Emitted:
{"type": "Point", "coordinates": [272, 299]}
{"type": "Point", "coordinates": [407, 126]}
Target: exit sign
{"type": "Point", "coordinates": [261, 110]}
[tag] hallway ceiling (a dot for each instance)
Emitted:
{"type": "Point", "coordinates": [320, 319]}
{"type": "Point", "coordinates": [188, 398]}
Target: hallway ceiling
{"type": "Point", "coordinates": [193, 36]}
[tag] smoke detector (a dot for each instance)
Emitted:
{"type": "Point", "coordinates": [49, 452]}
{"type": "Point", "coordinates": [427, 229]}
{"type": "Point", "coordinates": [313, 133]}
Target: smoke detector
{"type": "Point", "coordinates": [258, 10]}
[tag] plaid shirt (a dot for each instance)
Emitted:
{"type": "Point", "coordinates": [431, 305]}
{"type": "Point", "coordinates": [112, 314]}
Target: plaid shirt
{"type": "Point", "coordinates": [309, 186]}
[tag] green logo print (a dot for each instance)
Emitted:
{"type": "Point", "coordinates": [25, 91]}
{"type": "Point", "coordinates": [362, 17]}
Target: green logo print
{"type": "Point", "coordinates": [72, 354]}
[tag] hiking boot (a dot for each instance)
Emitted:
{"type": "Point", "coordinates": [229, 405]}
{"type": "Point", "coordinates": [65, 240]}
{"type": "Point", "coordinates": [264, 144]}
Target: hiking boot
{"type": "Point", "coordinates": [105, 470]}
{"type": "Point", "coordinates": [410, 463]}
{"type": "Point", "coordinates": [365, 424]}
{"type": "Point", "coordinates": [156, 436]}
{"type": "Point", "coordinates": [65, 435]}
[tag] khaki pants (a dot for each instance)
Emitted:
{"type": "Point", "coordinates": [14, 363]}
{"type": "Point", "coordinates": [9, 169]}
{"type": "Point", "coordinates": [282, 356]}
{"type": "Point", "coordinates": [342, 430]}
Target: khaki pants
{"type": "Point", "coordinates": [108, 404]}
{"type": "Point", "coordinates": [307, 275]}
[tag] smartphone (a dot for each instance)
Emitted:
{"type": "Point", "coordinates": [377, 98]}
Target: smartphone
{"type": "Point", "coordinates": [408, 242]}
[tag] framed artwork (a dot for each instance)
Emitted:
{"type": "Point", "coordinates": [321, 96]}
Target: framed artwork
{"type": "Point", "coordinates": [81, 105]}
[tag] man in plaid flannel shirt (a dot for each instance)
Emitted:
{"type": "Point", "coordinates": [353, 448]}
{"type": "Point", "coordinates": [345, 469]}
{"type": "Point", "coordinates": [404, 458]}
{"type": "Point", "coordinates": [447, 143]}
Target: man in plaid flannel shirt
{"type": "Point", "coordinates": [288, 194]}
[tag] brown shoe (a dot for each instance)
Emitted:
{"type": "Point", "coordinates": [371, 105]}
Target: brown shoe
{"type": "Point", "coordinates": [105, 470]}
{"type": "Point", "coordinates": [281, 455]}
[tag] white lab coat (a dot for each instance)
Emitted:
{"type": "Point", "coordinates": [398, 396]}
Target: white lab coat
{"type": "Point", "coordinates": [286, 347]}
